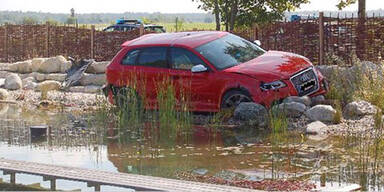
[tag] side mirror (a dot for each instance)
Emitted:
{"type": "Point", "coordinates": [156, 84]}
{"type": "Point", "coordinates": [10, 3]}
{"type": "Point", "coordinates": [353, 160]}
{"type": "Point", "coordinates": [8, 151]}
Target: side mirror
{"type": "Point", "coordinates": [199, 68]}
{"type": "Point", "coordinates": [257, 42]}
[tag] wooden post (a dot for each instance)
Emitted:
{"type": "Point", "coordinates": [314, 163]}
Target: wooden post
{"type": "Point", "coordinates": [12, 176]}
{"type": "Point", "coordinates": [92, 41]}
{"type": "Point", "coordinates": [141, 30]}
{"type": "Point", "coordinates": [95, 185]}
{"type": "Point", "coordinates": [52, 181]}
{"type": "Point", "coordinates": [321, 38]}
{"type": "Point", "coordinates": [47, 40]}
{"type": "Point", "coordinates": [6, 42]}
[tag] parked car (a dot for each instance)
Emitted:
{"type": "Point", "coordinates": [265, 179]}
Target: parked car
{"type": "Point", "coordinates": [128, 25]}
{"type": "Point", "coordinates": [220, 69]}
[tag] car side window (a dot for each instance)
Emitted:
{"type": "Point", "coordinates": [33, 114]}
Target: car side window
{"type": "Point", "coordinates": [111, 28]}
{"type": "Point", "coordinates": [130, 58]}
{"type": "Point", "coordinates": [184, 59]}
{"type": "Point", "coordinates": [153, 57]}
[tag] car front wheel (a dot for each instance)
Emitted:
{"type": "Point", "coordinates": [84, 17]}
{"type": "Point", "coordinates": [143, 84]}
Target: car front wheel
{"type": "Point", "coordinates": [233, 98]}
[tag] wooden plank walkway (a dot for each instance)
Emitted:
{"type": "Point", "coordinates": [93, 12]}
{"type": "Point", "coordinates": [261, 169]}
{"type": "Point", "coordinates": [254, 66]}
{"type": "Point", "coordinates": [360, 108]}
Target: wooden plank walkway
{"type": "Point", "coordinates": [96, 178]}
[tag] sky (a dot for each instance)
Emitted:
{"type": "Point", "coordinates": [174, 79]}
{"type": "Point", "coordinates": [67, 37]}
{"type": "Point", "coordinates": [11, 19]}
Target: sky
{"type": "Point", "coordinates": [163, 6]}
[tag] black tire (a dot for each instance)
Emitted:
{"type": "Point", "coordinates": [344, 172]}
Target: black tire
{"type": "Point", "coordinates": [233, 98]}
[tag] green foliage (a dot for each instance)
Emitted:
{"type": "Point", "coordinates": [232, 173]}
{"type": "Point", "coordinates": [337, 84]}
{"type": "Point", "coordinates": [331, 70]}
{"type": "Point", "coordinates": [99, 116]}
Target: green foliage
{"type": "Point", "coordinates": [29, 21]}
{"type": "Point", "coordinates": [71, 20]}
{"type": "Point", "coordinates": [248, 12]}
{"type": "Point", "coordinates": [344, 3]}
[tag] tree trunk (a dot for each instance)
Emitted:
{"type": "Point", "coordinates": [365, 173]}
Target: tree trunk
{"type": "Point", "coordinates": [217, 15]}
{"type": "Point", "coordinates": [227, 13]}
{"type": "Point", "coordinates": [362, 9]}
{"type": "Point", "coordinates": [361, 50]}
{"type": "Point", "coordinates": [234, 8]}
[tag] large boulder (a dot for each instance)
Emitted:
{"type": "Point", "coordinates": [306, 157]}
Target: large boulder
{"type": "Point", "coordinates": [291, 109]}
{"type": "Point", "coordinates": [93, 79]}
{"type": "Point", "coordinates": [13, 82]}
{"type": "Point", "coordinates": [36, 64]}
{"type": "Point", "coordinates": [3, 94]}
{"type": "Point", "coordinates": [30, 85]}
{"type": "Point", "coordinates": [304, 100]}
{"type": "Point", "coordinates": [97, 67]}
{"type": "Point", "coordinates": [323, 113]}
{"type": "Point", "coordinates": [320, 99]}
{"type": "Point", "coordinates": [21, 67]}
{"type": "Point", "coordinates": [252, 112]}
{"type": "Point", "coordinates": [53, 65]}
{"type": "Point", "coordinates": [359, 108]}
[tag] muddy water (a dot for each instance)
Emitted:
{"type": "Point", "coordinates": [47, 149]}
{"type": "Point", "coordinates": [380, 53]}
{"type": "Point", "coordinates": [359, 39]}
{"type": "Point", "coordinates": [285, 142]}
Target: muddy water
{"type": "Point", "coordinates": [249, 153]}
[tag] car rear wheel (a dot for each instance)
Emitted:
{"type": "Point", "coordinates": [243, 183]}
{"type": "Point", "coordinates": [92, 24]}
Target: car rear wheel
{"type": "Point", "coordinates": [233, 98]}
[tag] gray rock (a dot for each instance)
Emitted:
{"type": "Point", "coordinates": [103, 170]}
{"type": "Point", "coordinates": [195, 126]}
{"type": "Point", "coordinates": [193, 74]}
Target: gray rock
{"type": "Point", "coordinates": [323, 113]}
{"type": "Point", "coordinates": [316, 128]}
{"type": "Point", "coordinates": [93, 79]}
{"type": "Point", "coordinates": [30, 85]}
{"type": "Point", "coordinates": [13, 82]}
{"type": "Point", "coordinates": [21, 67]}
{"type": "Point", "coordinates": [304, 100]}
{"type": "Point", "coordinates": [97, 67]}
{"type": "Point", "coordinates": [318, 100]}
{"type": "Point", "coordinates": [359, 108]}
{"type": "Point", "coordinates": [85, 89]}
{"type": "Point", "coordinates": [291, 109]}
{"type": "Point", "coordinates": [53, 65]}
{"type": "Point", "coordinates": [48, 86]}
{"type": "Point", "coordinates": [200, 171]}
{"type": "Point", "coordinates": [36, 63]}
{"type": "Point", "coordinates": [252, 112]}
{"type": "Point", "coordinates": [2, 82]}
{"type": "Point", "coordinates": [3, 94]}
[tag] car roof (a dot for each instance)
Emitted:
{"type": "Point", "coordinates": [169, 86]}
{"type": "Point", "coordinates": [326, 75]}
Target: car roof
{"type": "Point", "coordinates": [186, 39]}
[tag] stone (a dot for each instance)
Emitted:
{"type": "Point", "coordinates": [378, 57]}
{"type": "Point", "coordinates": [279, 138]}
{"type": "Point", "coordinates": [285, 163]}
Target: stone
{"type": "Point", "coordinates": [85, 89]}
{"type": "Point", "coordinates": [3, 94]}
{"type": "Point", "coordinates": [304, 100]}
{"type": "Point", "coordinates": [13, 82]}
{"type": "Point", "coordinates": [97, 67]}
{"type": "Point", "coordinates": [2, 82]}
{"type": "Point", "coordinates": [323, 113]}
{"type": "Point", "coordinates": [55, 76]}
{"type": "Point", "coordinates": [200, 171]}
{"type": "Point", "coordinates": [320, 99]}
{"type": "Point", "coordinates": [65, 66]}
{"type": "Point", "coordinates": [49, 85]}
{"type": "Point", "coordinates": [36, 63]}
{"type": "Point", "coordinates": [93, 79]}
{"type": "Point", "coordinates": [359, 108]}
{"type": "Point", "coordinates": [316, 128]}
{"type": "Point", "coordinates": [252, 112]}
{"type": "Point", "coordinates": [291, 109]}
{"type": "Point", "coordinates": [21, 67]}
{"type": "Point", "coordinates": [28, 79]}
{"type": "Point", "coordinates": [30, 85]}
{"type": "Point", "coordinates": [52, 65]}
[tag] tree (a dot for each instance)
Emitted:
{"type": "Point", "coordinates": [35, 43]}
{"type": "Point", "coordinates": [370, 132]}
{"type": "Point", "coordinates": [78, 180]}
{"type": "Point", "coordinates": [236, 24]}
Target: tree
{"type": "Point", "coordinates": [29, 21]}
{"type": "Point", "coordinates": [344, 3]}
{"type": "Point", "coordinates": [247, 12]}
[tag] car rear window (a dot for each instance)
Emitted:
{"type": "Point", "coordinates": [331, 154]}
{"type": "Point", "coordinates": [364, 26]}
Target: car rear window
{"type": "Point", "coordinates": [229, 51]}
{"type": "Point", "coordinates": [153, 57]}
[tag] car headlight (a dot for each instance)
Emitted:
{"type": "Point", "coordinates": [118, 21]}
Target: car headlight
{"type": "Point", "coordinates": [272, 86]}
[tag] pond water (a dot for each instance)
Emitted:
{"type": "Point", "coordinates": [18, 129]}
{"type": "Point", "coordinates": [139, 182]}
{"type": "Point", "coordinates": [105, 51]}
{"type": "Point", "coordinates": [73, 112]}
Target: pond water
{"type": "Point", "coordinates": [82, 141]}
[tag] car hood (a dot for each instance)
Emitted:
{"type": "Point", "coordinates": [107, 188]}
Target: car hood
{"type": "Point", "coordinates": [272, 65]}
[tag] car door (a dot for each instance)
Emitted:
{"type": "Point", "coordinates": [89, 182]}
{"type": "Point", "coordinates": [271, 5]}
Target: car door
{"type": "Point", "coordinates": [145, 68]}
{"type": "Point", "coordinates": [195, 86]}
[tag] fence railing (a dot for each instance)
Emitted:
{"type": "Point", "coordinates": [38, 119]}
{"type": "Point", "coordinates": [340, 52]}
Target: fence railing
{"type": "Point", "coordinates": [315, 38]}
{"type": "Point", "coordinates": [322, 37]}
{"type": "Point", "coordinates": [22, 42]}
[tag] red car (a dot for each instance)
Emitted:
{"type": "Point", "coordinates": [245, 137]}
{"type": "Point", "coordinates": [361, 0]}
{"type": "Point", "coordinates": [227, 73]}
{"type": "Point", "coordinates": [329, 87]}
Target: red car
{"type": "Point", "coordinates": [220, 70]}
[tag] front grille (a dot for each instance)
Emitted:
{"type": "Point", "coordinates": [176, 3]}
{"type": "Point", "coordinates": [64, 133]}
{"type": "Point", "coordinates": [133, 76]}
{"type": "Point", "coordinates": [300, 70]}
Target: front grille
{"type": "Point", "coordinates": [305, 82]}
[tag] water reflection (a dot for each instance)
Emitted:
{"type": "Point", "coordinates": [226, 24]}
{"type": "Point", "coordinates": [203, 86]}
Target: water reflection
{"type": "Point", "coordinates": [78, 140]}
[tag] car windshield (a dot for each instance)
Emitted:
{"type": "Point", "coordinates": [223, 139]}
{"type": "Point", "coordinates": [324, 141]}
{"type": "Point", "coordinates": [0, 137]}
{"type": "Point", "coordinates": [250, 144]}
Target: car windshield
{"type": "Point", "coordinates": [229, 51]}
